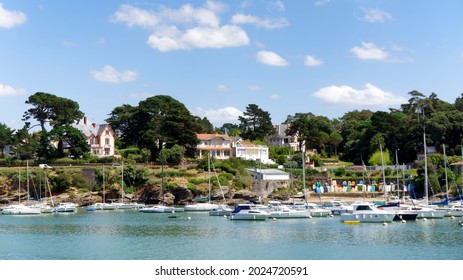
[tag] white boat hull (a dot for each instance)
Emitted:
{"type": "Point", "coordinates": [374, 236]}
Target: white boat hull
{"type": "Point", "coordinates": [250, 216]}
{"type": "Point", "coordinates": [293, 214]}
{"type": "Point", "coordinates": [160, 209]}
{"type": "Point", "coordinates": [368, 217]}
{"type": "Point", "coordinates": [21, 210]}
{"type": "Point", "coordinates": [201, 207]}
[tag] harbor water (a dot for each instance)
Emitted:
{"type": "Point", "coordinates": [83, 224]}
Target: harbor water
{"type": "Point", "coordinates": [130, 235]}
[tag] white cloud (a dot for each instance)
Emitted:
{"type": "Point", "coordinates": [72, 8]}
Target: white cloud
{"type": "Point", "coordinates": [222, 88]}
{"type": "Point", "coordinates": [312, 61]}
{"type": "Point", "coordinates": [111, 75]}
{"type": "Point", "coordinates": [6, 90]}
{"type": "Point", "coordinates": [275, 97]}
{"type": "Point", "coordinates": [369, 96]}
{"type": "Point", "coordinates": [70, 44]}
{"type": "Point", "coordinates": [101, 41]}
{"type": "Point", "coordinates": [254, 88]}
{"type": "Point", "coordinates": [369, 51]}
{"type": "Point", "coordinates": [321, 2]}
{"type": "Point", "coordinates": [265, 23]}
{"type": "Point", "coordinates": [219, 116]}
{"type": "Point", "coordinates": [133, 16]}
{"type": "Point", "coordinates": [376, 15]}
{"type": "Point", "coordinates": [184, 28]}
{"type": "Point", "coordinates": [271, 58]}
{"type": "Point", "coordinates": [141, 96]}
{"type": "Point", "coordinates": [279, 5]}
{"type": "Point", "coordinates": [9, 19]}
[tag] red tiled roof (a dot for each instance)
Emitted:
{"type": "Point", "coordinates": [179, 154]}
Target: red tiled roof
{"type": "Point", "coordinates": [211, 136]}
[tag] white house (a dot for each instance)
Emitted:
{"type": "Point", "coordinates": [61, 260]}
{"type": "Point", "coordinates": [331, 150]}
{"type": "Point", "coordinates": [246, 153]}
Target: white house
{"type": "Point", "coordinates": [249, 151]}
{"type": "Point", "coordinates": [279, 138]}
{"type": "Point", "coordinates": [101, 138]}
{"type": "Point", "coordinates": [219, 145]}
{"type": "Point", "coordinates": [269, 174]}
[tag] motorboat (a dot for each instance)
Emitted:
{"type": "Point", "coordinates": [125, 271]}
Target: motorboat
{"type": "Point", "coordinates": [125, 206]}
{"type": "Point", "coordinates": [222, 210]}
{"type": "Point", "coordinates": [400, 214]}
{"type": "Point", "coordinates": [104, 206]}
{"type": "Point", "coordinates": [66, 207]}
{"type": "Point", "coordinates": [284, 212]}
{"type": "Point", "coordinates": [338, 207]}
{"type": "Point", "coordinates": [366, 212]}
{"type": "Point", "coordinates": [160, 209]}
{"type": "Point", "coordinates": [20, 209]}
{"type": "Point", "coordinates": [316, 211]}
{"type": "Point", "coordinates": [201, 207]}
{"type": "Point", "coordinates": [248, 212]}
{"type": "Point", "coordinates": [425, 211]}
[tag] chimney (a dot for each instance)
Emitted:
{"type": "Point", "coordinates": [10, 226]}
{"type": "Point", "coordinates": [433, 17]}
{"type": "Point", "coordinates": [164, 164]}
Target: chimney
{"type": "Point", "coordinates": [85, 120]}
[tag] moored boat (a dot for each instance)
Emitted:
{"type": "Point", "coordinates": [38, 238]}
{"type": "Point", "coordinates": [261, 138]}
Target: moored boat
{"type": "Point", "coordinates": [285, 212]}
{"type": "Point", "coordinates": [366, 212]}
{"type": "Point", "coordinates": [248, 212]}
{"type": "Point", "coordinates": [222, 210]}
{"type": "Point", "coordinates": [337, 207]}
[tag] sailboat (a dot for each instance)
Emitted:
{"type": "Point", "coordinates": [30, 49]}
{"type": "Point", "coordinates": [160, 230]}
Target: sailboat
{"type": "Point", "coordinates": [102, 205]}
{"type": "Point", "coordinates": [205, 206]}
{"type": "Point", "coordinates": [223, 209]}
{"type": "Point", "coordinates": [21, 209]}
{"type": "Point", "coordinates": [122, 205]}
{"type": "Point", "coordinates": [423, 209]}
{"type": "Point", "coordinates": [162, 208]}
{"type": "Point", "coordinates": [450, 210]}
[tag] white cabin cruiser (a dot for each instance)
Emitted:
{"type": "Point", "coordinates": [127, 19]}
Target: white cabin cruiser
{"type": "Point", "coordinates": [366, 212]}
{"type": "Point", "coordinates": [248, 212]}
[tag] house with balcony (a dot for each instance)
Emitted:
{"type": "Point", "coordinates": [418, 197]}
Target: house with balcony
{"type": "Point", "coordinates": [249, 151]}
{"type": "Point", "coordinates": [219, 145]}
{"type": "Point", "coordinates": [100, 137]}
{"type": "Point", "coordinates": [222, 146]}
{"type": "Point", "coordinates": [279, 138]}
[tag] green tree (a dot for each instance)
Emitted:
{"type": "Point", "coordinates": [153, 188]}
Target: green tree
{"type": "Point", "coordinates": [6, 137]}
{"type": "Point", "coordinates": [49, 108]}
{"type": "Point", "coordinates": [376, 159]}
{"type": "Point", "coordinates": [230, 129]}
{"type": "Point", "coordinates": [25, 144]}
{"type": "Point", "coordinates": [256, 123]}
{"type": "Point", "coordinates": [57, 111]}
{"type": "Point", "coordinates": [312, 130]}
{"type": "Point", "coordinates": [203, 125]}
{"type": "Point", "coordinates": [124, 122]}
{"type": "Point", "coordinates": [78, 146]}
{"type": "Point", "coordinates": [158, 122]}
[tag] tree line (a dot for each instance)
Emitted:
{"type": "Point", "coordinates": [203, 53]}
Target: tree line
{"type": "Point", "coordinates": [165, 130]}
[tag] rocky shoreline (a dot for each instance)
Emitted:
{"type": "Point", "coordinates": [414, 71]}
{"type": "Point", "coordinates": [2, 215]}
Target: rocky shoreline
{"type": "Point", "coordinates": [185, 197]}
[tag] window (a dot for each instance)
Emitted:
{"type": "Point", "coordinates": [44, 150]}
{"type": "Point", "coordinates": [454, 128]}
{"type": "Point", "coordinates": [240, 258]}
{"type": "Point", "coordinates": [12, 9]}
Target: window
{"type": "Point", "coordinates": [107, 132]}
{"type": "Point", "coordinates": [106, 141]}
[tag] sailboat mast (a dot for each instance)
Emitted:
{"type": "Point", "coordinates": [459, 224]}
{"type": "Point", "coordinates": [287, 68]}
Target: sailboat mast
{"type": "Point", "coordinates": [162, 180]}
{"type": "Point", "coordinates": [122, 192]}
{"type": "Point", "coordinates": [27, 180]}
{"type": "Point", "coordinates": [19, 185]}
{"type": "Point", "coordinates": [384, 175]}
{"type": "Point", "coordinates": [446, 180]}
{"type": "Point", "coordinates": [303, 172]}
{"type": "Point", "coordinates": [104, 197]}
{"type": "Point", "coordinates": [209, 175]}
{"type": "Point", "coordinates": [425, 168]}
{"type": "Point", "coordinates": [397, 172]}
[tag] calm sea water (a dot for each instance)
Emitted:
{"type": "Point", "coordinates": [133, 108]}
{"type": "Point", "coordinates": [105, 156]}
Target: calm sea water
{"type": "Point", "coordinates": [129, 235]}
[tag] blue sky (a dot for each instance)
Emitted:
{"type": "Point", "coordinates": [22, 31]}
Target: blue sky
{"type": "Point", "coordinates": [327, 57]}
